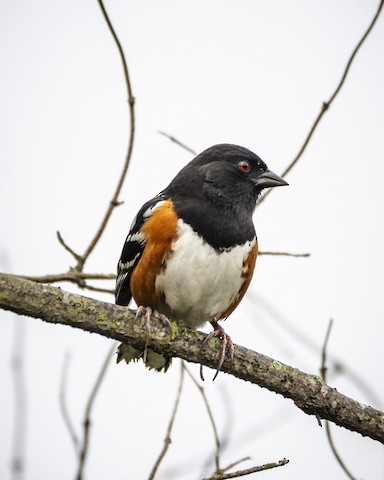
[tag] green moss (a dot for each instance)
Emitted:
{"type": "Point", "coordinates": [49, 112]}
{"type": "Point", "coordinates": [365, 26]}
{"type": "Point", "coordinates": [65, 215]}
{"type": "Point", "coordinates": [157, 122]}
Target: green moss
{"type": "Point", "coordinates": [175, 330]}
{"type": "Point", "coordinates": [103, 315]}
{"type": "Point", "coordinates": [319, 379]}
{"type": "Point", "coordinates": [277, 365]}
{"type": "Point", "coordinates": [103, 319]}
{"type": "Point", "coordinates": [3, 296]}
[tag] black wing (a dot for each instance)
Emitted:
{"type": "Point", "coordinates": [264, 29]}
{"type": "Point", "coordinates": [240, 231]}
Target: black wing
{"type": "Point", "coordinates": [132, 251]}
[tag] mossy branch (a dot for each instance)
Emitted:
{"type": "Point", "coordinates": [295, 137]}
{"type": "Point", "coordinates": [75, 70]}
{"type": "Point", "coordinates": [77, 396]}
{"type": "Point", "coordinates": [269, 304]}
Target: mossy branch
{"type": "Point", "coordinates": [308, 392]}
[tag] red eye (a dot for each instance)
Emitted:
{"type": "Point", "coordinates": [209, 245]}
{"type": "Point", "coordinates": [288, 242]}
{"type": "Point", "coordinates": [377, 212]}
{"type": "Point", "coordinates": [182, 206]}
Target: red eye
{"type": "Point", "coordinates": [244, 166]}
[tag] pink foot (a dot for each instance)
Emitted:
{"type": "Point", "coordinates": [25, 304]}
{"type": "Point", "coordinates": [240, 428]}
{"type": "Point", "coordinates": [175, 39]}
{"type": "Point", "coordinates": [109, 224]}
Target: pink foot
{"type": "Point", "coordinates": [146, 313]}
{"type": "Point", "coordinates": [226, 343]}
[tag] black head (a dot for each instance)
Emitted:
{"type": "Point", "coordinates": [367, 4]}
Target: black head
{"type": "Point", "coordinates": [216, 193]}
{"type": "Point", "coordinates": [228, 175]}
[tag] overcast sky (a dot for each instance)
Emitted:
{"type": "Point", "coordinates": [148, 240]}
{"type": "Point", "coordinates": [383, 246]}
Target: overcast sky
{"type": "Point", "coordinates": [253, 73]}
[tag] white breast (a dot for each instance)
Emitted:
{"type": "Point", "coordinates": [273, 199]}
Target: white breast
{"type": "Point", "coordinates": [200, 282]}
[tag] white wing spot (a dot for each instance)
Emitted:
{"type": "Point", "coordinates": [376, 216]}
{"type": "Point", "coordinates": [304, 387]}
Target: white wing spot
{"type": "Point", "coordinates": [135, 237]}
{"type": "Point", "coordinates": [152, 208]}
{"type": "Point", "coordinates": [130, 263]}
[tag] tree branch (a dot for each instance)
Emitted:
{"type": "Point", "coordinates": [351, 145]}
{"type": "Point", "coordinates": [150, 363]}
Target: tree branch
{"type": "Point", "coordinates": [309, 392]}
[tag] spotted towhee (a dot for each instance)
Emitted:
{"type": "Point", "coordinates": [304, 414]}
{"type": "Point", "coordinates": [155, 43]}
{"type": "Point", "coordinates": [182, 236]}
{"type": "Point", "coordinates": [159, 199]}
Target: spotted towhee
{"type": "Point", "coordinates": [191, 250]}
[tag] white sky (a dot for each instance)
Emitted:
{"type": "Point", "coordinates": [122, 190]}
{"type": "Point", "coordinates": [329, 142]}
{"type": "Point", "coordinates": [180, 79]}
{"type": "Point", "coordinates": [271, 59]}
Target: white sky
{"type": "Point", "coordinates": [253, 73]}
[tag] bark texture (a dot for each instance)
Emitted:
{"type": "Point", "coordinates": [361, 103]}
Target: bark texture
{"type": "Point", "coordinates": [308, 392]}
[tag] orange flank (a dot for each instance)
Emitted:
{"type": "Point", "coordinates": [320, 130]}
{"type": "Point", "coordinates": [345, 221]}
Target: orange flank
{"type": "Point", "coordinates": [248, 268]}
{"type": "Point", "coordinates": [159, 231]}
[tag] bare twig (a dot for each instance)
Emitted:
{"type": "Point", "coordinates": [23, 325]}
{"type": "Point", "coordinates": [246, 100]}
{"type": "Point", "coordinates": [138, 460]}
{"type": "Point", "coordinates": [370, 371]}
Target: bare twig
{"type": "Point", "coordinates": [323, 373]}
{"type": "Point", "coordinates": [335, 452]}
{"type": "Point", "coordinates": [114, 202]}
{"type": "Point", "coordinates": [87, 416]}
{"type": "Point", "coordinates": [70, 276]}
{"type": "Point", "coordinates": [325, 106]}
{"type": "Point", "coordinates": [219, 471]}
{"type": "Point", "coordinates": [248, 471]}
{"type": "Point", "coordinates": [234, 464]}
{"type": "Point", "coordinates": [323, 368]}
{"type": "Point", "coordinates": [167, 439]}
{"type": "Point", "coordinates": [175, 140]}
{"type": "Point", "coordinates": [63, 404]}
{"type": "Point", "coordinates": [285, 254]}
{"type": "Point", "coordinates": [75, 255]}
{"type": "Point", "coordinates": [77, 277]}
{"type": "Point", "coordinates": [86, 286]}
{"type": "Point", "coordinates": [210, 415]}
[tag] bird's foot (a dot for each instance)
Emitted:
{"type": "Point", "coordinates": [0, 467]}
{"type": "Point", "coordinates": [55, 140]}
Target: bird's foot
{"type": "Point", "coordinates": [226, 346]}
{"type": "Point", "coordinates": [146, 313]}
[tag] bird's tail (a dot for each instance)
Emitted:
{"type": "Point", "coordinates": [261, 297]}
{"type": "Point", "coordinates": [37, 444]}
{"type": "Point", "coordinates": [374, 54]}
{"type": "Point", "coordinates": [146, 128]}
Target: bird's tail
{"type": "Point", "coordinates": [152, 359]}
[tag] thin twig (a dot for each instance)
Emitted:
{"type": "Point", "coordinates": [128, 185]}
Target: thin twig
{"type": "Point", "coordinates": [70, 276]}
{"type": "Point", "coordinates": [77, 277]}
{"type": "Point", "coordinates": [248, 471]}
{"type": "Point", "coordinates": [325, 106]}
{"type": "Point", "coordinates": [63, 404]}
{"type": "Point", "coordinates": [114, 202]}
{"type": "Point", "coordinates": [335, 452]}
{"type": "Point", "coordinates": [167, 439]}
{"type": "Point", "coordinates": [76, 256]}
{"type": "Point", "coordinates": [285, 254]}
{"type": "Point", "coordinates": [175, 140]}
{"type": "Point", "coordinates": [323, 373]}
{"type": "Point", "coordinates": [209, 411]}
{"type": "Point", "coordinates": [87, 416]}
{"type": "Point", "coordinates": [323, 368]}
{"type": "Point", "coordinates": [234, 464]}
{"type": "Point", "coordinates": [110, 291]}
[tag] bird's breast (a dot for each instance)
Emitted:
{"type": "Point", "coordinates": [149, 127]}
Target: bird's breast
{"type": "Point", "coordinates": [198, 282]}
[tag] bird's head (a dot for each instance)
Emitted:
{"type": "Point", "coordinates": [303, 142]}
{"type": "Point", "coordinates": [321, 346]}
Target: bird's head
{"type": "Point", "coordinates": [234, 175]}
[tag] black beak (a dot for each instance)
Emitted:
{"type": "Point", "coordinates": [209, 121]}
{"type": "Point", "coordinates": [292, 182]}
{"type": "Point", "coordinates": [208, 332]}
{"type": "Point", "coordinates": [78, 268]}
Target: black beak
{"type": "Point", "coordinates": [269, 179]}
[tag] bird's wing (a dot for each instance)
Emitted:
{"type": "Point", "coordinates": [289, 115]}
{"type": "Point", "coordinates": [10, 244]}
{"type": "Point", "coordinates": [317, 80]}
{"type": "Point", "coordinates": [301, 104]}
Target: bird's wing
{"type": "Point", "coordinates": [132, 251]}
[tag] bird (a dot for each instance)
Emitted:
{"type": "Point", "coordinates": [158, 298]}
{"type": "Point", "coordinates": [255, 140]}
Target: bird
{"type": "Point", "coordinates": [191, 250]}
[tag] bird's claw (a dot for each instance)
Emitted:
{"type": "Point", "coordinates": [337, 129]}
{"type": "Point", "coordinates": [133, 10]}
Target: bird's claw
{"type": "Point", "coordinates": [226, 346]}
{"type": "Point", "coordinates": [146, 313]}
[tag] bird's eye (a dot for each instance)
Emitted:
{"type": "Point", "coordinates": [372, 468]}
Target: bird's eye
{"type": "Point", "coordinates": [244, 166]}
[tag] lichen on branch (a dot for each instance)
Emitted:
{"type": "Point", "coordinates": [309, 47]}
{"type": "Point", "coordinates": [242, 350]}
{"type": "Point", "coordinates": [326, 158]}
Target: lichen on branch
{"type": "Point", "coordinates": [309, 392]}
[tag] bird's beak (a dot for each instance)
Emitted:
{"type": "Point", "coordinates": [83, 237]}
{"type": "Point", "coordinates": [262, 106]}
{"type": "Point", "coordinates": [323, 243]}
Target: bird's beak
{"type": "Point", "coordinates": [269, 179]}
